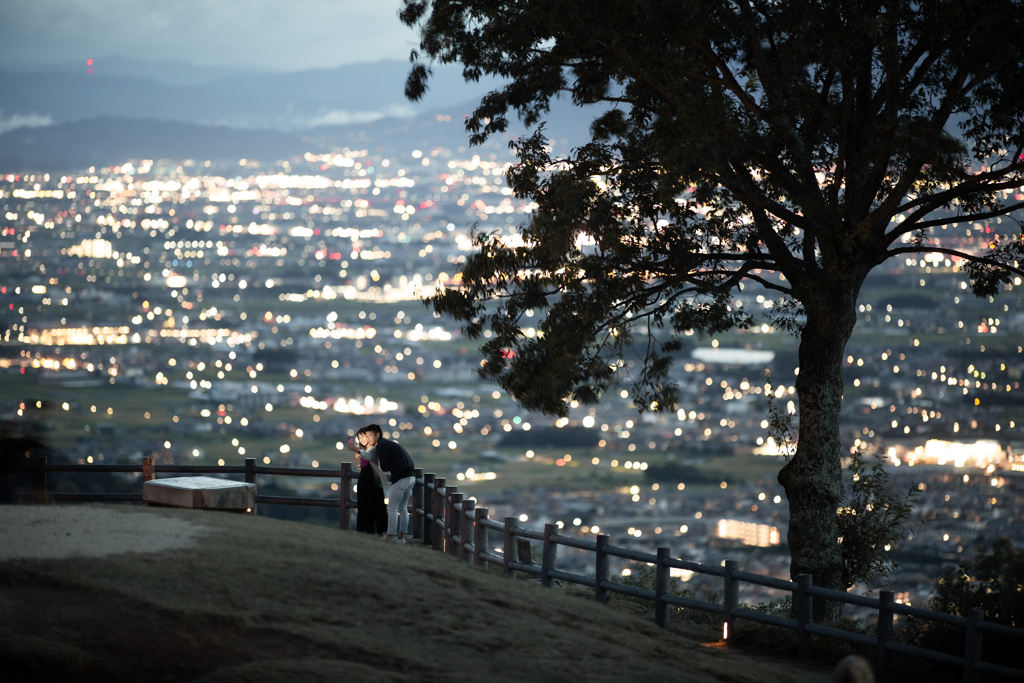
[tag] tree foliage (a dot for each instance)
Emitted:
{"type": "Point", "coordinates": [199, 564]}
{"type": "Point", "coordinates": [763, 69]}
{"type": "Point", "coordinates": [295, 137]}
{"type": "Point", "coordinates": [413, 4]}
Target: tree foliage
{"type": "Point", "coordinates": [872, 522]}
{"type": "Point", "coordinates": [781, 431]}
{"type": "Point", "coordinates": [742, 140]}
{"type": "Point", "coordinates": [992, 581]}
{"type": "Point", "coordinates": [791, 146]}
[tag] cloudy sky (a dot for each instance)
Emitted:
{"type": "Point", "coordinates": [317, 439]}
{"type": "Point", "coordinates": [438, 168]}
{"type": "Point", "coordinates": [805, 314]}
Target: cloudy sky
{"type": "Point", "coordinates": [281, 35]}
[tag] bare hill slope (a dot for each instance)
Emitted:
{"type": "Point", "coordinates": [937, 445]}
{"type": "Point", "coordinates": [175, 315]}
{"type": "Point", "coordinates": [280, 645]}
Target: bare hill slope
{"type": "Point", "coordinates": [237, 598]}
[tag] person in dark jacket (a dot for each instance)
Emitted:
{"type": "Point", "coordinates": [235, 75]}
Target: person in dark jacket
{"type": "Point", "coordinates": [371, 511]}
{"type": "Point", "coordinates": [395, 460]}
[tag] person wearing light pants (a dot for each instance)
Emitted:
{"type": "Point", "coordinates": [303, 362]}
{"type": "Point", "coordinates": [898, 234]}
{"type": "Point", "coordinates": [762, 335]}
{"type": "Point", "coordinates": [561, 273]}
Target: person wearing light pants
{"type": "Point", "coordinates": [394, 459]}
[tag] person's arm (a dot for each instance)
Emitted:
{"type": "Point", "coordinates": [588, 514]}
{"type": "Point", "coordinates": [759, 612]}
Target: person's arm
{"type": "Point", "coordinates": [377, 473]}
{"type": "Point", "coordinates": [372, 456]}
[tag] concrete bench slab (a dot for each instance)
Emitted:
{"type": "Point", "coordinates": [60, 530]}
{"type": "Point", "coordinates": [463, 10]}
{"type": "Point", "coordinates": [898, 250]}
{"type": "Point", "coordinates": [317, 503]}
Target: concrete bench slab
{"type": "Point", "coordinates": [200, 492]}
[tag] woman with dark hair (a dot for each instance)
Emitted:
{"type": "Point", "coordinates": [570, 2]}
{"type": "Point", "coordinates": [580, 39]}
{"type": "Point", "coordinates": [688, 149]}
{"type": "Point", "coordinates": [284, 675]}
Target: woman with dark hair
{"type": "Point", "coordinates": [371, 512]}
{"type": "Point", "coordinates": [394, 460]}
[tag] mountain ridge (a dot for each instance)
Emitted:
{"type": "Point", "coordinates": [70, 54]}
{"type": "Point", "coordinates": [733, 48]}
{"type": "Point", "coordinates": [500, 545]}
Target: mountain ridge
{"type": "Point", "coordinates": [285, 101]}
{"type": "Point", "coordinates": [111, 140]}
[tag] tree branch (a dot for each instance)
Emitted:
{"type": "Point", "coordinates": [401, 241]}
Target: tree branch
{"type": "Point", "coordinates": [933, 201]}
{"type": "Point", "coordinates": [960, 219]}
{"type": "Point", "coordinates": [954, 252]}
{"type": "Point", "coordinates": [732, 84]}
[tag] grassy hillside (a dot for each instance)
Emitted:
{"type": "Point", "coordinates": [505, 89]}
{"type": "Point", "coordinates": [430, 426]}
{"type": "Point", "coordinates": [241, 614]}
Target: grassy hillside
{"type": "Point", "coordinates": [257, 599]}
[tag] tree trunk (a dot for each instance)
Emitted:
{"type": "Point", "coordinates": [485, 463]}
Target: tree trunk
{"type": "Point", "coordinates": [813, 477]}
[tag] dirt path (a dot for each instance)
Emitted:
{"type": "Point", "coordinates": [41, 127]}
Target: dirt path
{"type": "Point", "coordinates": [50, 532]}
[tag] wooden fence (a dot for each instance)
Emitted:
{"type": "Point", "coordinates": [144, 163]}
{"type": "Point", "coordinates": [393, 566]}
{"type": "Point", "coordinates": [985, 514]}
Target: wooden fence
{"type": "Point", "coordinates": [447, 521]}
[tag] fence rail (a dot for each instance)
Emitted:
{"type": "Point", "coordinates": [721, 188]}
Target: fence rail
{"type": "Point", "coordinates": [443, 519]}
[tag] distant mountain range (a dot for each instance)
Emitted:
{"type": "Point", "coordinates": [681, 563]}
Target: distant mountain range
{"type": "Point", "coordinates": [107, 141]}
{"type": "Point", "coordinates": [171, 73]}
{"type": "Point", "coordinates": [354, 93]}
{"type": "Point", "coordinates": [58, 120]}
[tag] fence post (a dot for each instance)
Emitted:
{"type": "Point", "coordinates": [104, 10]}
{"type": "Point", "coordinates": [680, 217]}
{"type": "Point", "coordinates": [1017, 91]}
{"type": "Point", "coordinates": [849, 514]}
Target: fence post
{"type": "Point", "coordinates": [510, 547]}
{"type": "Point", "coordinates": [147, 468]}
{"type": "Point", "coordinates": [466, 520]}
{"type": "Point", "coordinates": [250, 477]}
{"type": "Point", "coordinates": [661, 583]}
{"type": "Point", "coordinates": [439, 509]}
{"type": "Point", "coordinates": [417, 505]}
{"type": "Point", "coordinates": [40, 479]}
{"type": "Point", "coordinates": [524, 551]}
{"type": "Point", "coordinates": [479, 538]}
{"type": "Point", "coordinates": [884, 633]}
{"type": "Point", "coordinates": [454, 523]}
{"type": "Point", "coordinates": [446, 531]}
{"type": "Point", "coordinates": [428, 508]}
{"type": "Point", "coordinates": [803, 604]}
{"type": "Point", "coordinates": [345, 490]}
{"type": "Point", "coordinates": [601, 570]}
{"type": "Point", "coordinates": [549, 552]}
{"type": "Point", "coordinates": [972, 651]}
{"type": "Point", "coordinates": [731, 598]}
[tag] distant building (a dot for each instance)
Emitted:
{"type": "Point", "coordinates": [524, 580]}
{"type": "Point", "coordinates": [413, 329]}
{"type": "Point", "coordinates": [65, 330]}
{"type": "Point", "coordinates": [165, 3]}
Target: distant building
{"type": "Point", "coordinates": [749, 533]}
{"type": "Point", "coordinates": [92, 249]}
{"type": "Point", "coordinates": [980, 454]}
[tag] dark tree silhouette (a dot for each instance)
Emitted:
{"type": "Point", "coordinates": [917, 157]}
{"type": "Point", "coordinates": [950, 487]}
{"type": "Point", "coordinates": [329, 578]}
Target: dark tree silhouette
{"type": "Point", "coordinates": [795, 144]}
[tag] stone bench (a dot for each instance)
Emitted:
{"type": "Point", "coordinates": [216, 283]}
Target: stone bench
{"type": "Point", "coordinates": [207, 493]}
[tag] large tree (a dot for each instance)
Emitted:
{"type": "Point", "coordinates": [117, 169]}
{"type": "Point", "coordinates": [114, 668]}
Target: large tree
{"type": "Point", "coordinates": [796, 144]}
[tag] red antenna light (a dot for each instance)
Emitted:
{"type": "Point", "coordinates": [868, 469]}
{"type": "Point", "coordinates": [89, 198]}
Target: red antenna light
{"type": "Point", "coordinates": [88, 62]}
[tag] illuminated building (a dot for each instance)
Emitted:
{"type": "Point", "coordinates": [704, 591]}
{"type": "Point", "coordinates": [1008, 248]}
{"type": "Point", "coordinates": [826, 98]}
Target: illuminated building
{"type": "Point", "coordinates": [92, 249]}
{"type": "Point", "coordinates": [749, 533]}
{"type": "Point", "coordinates": [980, 454]}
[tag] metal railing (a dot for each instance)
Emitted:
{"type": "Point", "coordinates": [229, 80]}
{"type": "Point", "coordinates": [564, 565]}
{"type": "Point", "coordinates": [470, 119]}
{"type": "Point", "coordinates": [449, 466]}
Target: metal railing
{"type": "Point", "coordinates": [443, 519]}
